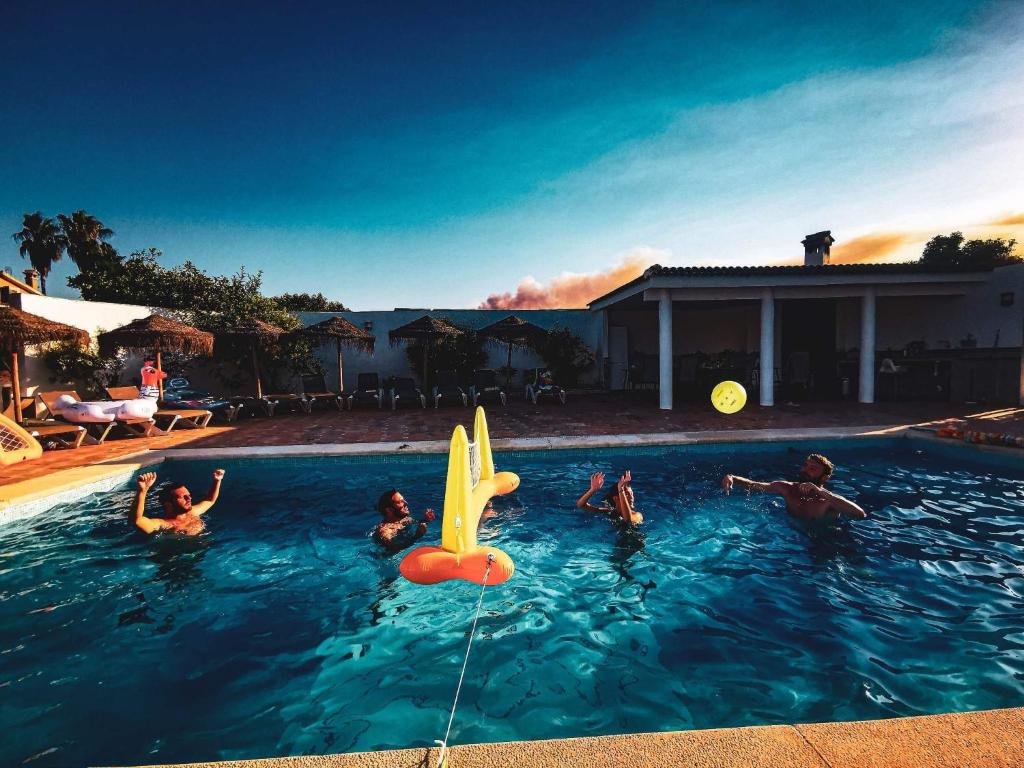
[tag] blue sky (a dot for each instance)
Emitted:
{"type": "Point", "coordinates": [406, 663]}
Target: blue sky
{"type": "Point", "coordinates": [430, 154]}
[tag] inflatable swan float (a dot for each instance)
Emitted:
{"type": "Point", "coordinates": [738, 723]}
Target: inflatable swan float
{"type": "Point", "coordinates": [106, 411]}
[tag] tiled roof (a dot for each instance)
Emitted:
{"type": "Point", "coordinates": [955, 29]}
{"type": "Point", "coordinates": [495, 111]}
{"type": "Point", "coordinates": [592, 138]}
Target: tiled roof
{"type": "Point", "coordinates": [909, 267]}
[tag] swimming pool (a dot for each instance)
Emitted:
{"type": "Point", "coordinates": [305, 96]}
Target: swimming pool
{"type": "Point", "coordinates": [281, 631]}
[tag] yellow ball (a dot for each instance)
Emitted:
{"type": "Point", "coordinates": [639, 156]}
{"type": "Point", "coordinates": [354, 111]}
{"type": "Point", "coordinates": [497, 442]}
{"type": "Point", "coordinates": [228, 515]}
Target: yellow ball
{"type": "Point", "coordinates": [729, 397]}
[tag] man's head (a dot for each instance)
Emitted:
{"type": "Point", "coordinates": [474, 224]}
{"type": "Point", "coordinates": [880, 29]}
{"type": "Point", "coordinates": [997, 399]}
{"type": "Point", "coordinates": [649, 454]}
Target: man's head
{"type": "Point", "coordinates": [392, 506]}
{"type": "Point", "coordinates": [816, 469]}
{"type": "Point", "coordinates": [612, 497]}
{"type": "Point", "coordinates": [175, 499]}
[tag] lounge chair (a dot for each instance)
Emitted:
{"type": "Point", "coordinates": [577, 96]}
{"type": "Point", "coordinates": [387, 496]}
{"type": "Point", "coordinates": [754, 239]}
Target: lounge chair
{"type": "Point", "coordinates": [368, 390]}
{"type": "Point", "coordinates": [190, 418]}
{"type": "Point", "coordinates": [543, 387]}
{"type": "Point", "coordinates": [99, 431]}
{"type": "Point", "coordinates": [178, 393]}
{"type": "Point", "coordinates": [315, 390]}
{"type": "Point", "coordinates": [406, 391]}
{"type": "Point", "coordinates": [288, 399]}
{"type": "Point", "coordinates": [447, 390]}
{"type": "Point", "coordinates": [47, 431]}
{"type": "Point", "coordinates": [485, 386]}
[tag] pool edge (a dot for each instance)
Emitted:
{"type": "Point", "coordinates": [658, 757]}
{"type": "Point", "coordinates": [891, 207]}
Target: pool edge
{"type": "Point", "coordinates": [985, 739]}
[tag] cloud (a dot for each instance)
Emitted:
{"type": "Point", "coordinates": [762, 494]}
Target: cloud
{"type": "Point", "coordinates": [874, 247]}
{"type": "Point", "coordinates": [1009, 221]}
{"type": "Point", "coordinates": [572, 290]}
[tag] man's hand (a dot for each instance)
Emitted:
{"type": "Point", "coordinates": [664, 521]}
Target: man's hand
{"type": "Point", "coordinates": [727, 483]}
{"type": "Point", "coordinates": [596, 481]}
{"type": "Point", "coordinates": [429, 516]}
{"type": "Point", "coordinates": [421, 529]}
{"type": "Point", "coordinates": [145, 481]}
{"type": "Point", "coordinates": [218, 475]}
{"type": "Point", "coordinates": [625, 480]}
{"type": "Point", "coordinates": [810, 490]}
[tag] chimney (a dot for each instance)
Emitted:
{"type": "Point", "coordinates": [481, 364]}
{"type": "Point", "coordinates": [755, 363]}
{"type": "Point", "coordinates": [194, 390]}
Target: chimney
{"type": "Point", "coordinates": [32, 279]}
{"type": "Point", "coordinates": [817, 248]}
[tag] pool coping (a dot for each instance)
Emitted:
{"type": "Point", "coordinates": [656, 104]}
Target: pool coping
{"type": "Point", "coordinates": [986, 739]}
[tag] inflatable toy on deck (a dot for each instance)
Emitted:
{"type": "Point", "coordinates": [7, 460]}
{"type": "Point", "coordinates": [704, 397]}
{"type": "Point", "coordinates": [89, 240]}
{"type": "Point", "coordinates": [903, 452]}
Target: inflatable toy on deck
{"type": "Point", "coordinates": [103, 411]}
{"type": "Point", "coordinates": [471, 482]}
{"type": "Point", "coordinates": [151, 378]}
{"type": "Point", "coordinates": [16, 444]}
{"type": "Point", "coordinates": [729, 397]}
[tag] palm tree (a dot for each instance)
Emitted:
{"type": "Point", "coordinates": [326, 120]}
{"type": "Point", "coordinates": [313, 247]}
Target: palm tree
{"type": "Point", "coordinates": [42, 242]}
{"type": "Point", "coordinates": [84, 234]}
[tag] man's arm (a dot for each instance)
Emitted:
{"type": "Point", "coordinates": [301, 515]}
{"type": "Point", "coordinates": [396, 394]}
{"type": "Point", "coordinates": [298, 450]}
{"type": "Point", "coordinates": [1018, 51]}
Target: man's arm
{"type": "Point", "coordinates": [626, 511]}
{"type": "Point", "coordinates": [147, 524]}
{"type": "Point", "coordinates": [395, 538]}
{"type": "Point", "coordinates": [211, 497]}
{"type": "Point", "coordinates": [596, 481]}
{"type": "Point", "coordinates": [843, 505]}
{"type": "Point", "coordinates": [777, 486]}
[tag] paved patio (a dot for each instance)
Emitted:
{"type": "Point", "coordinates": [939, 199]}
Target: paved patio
{"type": "Point", "coordinates": [586, 414]}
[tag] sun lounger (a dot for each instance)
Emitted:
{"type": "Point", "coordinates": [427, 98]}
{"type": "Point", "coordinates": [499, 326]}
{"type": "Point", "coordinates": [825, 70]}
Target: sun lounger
{"type": "Point", "coordinates": [47, 431]}
{"type": "Point", "coordinates": [406, 391]}
{"type": "Point", "coordinates": [99, 431]}
{"type": "Point", "coordinates": [447, 390]}
{"type": "Point", "coordinates": [541, 387]}
{"type": "Point", "coordinates": [368, 390]}
{"type": "Point", "coordinates": [315, 390]}
{"type": "Point", "coordinates": [189, 418]}
{"type": "Point", "coordinates": [178, 393]}
{"type": "Point", "coordinates": [288, 399]}
{"type": "Point", "coordinates": [486, 387]}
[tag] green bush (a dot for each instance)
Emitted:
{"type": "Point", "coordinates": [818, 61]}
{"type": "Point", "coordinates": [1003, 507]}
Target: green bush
{"type": "Point", "coordinates": [566, 355]}
{"type": "Point", "coordinates": [83, 368]}
{"type": "Point", "coordinates": [462, 354]}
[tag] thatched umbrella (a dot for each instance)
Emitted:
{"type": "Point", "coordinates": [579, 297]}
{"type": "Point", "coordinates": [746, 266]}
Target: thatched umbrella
{"type": "Point", "coordinates": [157, 334]}
{"type": "Point", "coordinates": [19, 328]}
{"type": "Point", "coordinates": [343, 332]}
{"type": "Point", "coordinates": [256, 333]}
{"type": "Point", "coordinates": [516, 332]}
{"type": "Point", "coordinates": [426, 329]}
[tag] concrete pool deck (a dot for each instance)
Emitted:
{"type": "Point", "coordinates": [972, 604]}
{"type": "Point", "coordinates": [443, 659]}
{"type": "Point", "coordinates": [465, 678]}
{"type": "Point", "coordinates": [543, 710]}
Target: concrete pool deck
{"type": "Point", "coordinates": [989, 739]}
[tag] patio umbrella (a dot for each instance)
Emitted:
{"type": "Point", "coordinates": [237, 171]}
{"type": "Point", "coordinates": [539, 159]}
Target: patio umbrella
{"type": "Point", "coordinates": [516, 332]}
{"type": "Point", "coordinates": [255, 332]}
{"type": "Point", "coordinates": [343, 332]}
{"type": "Point", "coordinates": [426, 329]}
{"type": "Point", "coordinates": [19, 328]}
{"type": "Point", "coordinates": [157, 334]}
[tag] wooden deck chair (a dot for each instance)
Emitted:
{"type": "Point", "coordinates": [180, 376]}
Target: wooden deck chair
{"type": "Point", "coordinates": [98, 433]}
{"type": "Point", "coordinates": [48, 432]}
{"type": "Point", "coordinates": [288, 398]}
{"type": "Point", "coordinates": [314, 389]}
{"type": "Point", "coordinates": [189, 418]}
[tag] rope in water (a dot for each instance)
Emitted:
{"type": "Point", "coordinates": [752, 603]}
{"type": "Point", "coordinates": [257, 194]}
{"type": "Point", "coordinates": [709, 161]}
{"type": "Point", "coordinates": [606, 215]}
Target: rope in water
{"type": "Point", "coordinates": [472, 633]}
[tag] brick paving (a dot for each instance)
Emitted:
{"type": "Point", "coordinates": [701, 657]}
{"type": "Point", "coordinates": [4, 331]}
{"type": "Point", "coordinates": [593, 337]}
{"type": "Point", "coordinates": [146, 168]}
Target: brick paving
{"type": "Point", "coordinates": [585, 414]}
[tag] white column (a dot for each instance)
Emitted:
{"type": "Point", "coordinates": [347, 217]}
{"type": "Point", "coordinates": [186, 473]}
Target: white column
{"type": "Point", "coordinates": [665, 351]}
{"type": "Point", "coordinates": [767, 348]}
{"type": "Point", "coordinates": [866, 392]}
{"type": "Point", "coordinates": [602, 358]}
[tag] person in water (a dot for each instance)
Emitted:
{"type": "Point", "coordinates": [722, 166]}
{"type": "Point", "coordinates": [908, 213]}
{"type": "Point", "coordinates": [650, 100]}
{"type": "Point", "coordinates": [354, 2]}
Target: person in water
{"type": "Point", "coordinates": [618, 502]}
{"type": "Point", "coordinates": [180, 514]}
{"type": "Point", "coordinates": [807, 498]}
{"type": "Point", "coordinates": [397, 528]}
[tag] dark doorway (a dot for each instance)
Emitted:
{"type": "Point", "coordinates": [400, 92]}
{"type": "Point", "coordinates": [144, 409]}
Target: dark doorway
{"type": "Point", "coordinates": [809, 348]}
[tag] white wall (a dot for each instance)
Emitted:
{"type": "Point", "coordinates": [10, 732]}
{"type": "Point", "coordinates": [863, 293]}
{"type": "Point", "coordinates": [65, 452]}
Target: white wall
{"type": "Point", "coordinates": [92, 316]}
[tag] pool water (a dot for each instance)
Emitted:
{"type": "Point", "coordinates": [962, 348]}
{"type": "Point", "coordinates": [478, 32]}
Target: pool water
{"type": "Point", "coordinates": [283, 631]}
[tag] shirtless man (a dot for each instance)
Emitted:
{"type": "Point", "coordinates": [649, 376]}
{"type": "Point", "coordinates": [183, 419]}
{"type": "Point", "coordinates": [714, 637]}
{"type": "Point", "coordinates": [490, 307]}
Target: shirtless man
{"type": "Point", "coordinates": [618, 501]}
{"type": "Point", "coordinates": [181, 515]}
{"type": "Point", "coordinates": [806, 499]}
{"type": "Point", "coordinates": [397, 528]}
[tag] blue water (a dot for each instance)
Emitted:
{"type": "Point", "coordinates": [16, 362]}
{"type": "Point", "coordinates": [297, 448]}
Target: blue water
{"type": "Point", "coordinates": [282, 631]}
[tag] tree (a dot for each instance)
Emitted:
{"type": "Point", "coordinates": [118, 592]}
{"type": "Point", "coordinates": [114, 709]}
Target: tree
{"type": "Point", "coordinates": [85, 234]}
{"type": "Point", "coordinates": [309, 302]}
{"type": "Point", "coordinates": [952, 251]}
{"type": "Point", "coordinates": [566, 355]}
{"type": "Point", "coordinates": [462, 354]}
{"type": "Point", "coordinates": [42, 242]}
